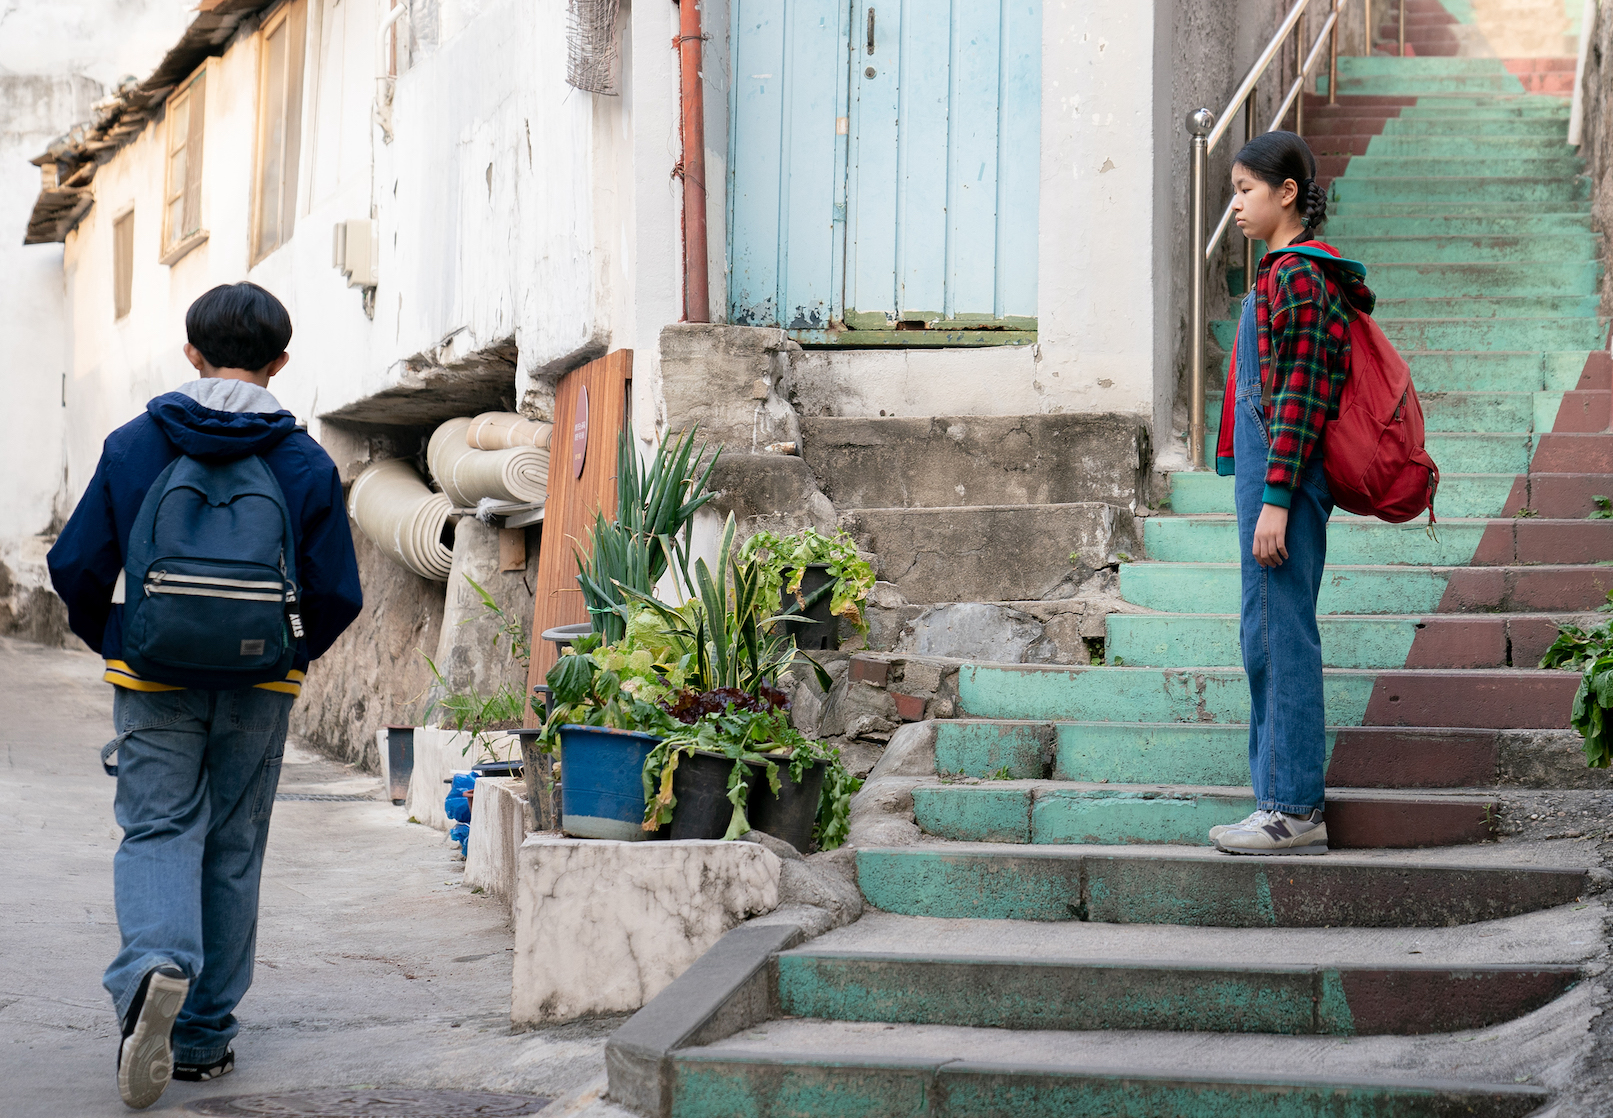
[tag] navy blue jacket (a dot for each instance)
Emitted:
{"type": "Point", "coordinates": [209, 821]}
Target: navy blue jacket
{"type": "Point", "coordinates": [88, 555]}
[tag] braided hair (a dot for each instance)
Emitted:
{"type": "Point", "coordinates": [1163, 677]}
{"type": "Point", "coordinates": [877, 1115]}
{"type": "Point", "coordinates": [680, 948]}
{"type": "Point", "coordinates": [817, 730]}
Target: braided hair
{"type": "Point", "coordinates": [1276, 157]}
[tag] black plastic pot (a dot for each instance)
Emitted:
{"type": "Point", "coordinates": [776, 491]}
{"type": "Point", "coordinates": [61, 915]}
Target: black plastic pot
{"type": "Point", "coordinates": [818, 629]}
{"type": "Point", "coordinates": [700, 784]}
{"type": "Point", "coordinates": [790, 813]}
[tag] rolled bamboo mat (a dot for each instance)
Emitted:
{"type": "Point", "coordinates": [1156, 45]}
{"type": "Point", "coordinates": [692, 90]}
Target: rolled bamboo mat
{"type": "Point", "coordinates": [499, 430]}
{"type": "Point", "coordinates": [467, 475]}
{"type": "Point", "coordinates": [404, 518]}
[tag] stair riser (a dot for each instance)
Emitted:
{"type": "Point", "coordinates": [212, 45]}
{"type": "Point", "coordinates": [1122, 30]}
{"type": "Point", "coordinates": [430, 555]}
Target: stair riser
{"type": "Point", "coordinates": [1460, 413]}
{"type": "Point", "coordinates": [1455, 248]}
{"type": "Point", "coordinates": [1467, 371]}
{"type": "Point", "coordinates": [1484, 333]}
{"type": "Point", "coordinates": [1440, 189]}
{"type": "Point", "coordinates": [1514, 225]}
{"type": "Point", "coordinates": [1353, 541]}
{"type": "Point", "coordinates": [1359, 66]}
{"type": "Point", "coordinates": [1515, 164]}
{"type": "Point", "coordinates": [1292, 1000]}
{"type": "Point", "coordinates": [1523, 306]}
{"type": "Point", "coordinates": [1532, 125]}
{"type": "Point", "coordinates": [1224, 891]}
{"type": "Point", "coordinates": [1204, 755]}
{"type": "Point", "coordinates": [1510, 699]}
{"type": "Point", "coordinates": [1445, 281]}
{"type": "Point", "coordinates": [1054, 816]}
{"type": "Point", "coordinates": [726, 1083]}
{"type": "Point", "coordinates": [1196, 640]}
{"type": "Point", "coordinates": [1459, 496]}
{"type": "Point", "coordinates": [1546, 146]}
{"type": "Point", "coordinates": [1433, 83]}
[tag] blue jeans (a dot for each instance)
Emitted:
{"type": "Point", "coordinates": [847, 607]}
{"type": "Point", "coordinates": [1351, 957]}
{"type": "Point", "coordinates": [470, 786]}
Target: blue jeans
{"type": "Point", "coordinates": [197, 772]}
{"type": "Point", "coordinates": [1282, 650]}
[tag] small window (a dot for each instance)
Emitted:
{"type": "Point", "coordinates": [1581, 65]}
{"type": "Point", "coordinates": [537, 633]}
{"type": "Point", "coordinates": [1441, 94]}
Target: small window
{"type": "Point", "coordinates": [182, 212]}
{"type": "Point", "coordinates": [279, 128]}
{"type": "Point", "coordinates": [122, 264]}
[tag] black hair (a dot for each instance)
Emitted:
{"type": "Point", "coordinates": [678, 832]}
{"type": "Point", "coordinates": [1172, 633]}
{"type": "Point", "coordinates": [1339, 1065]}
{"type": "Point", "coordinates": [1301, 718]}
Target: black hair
{"type": "Point", "coordinates": [238, 326]}
{"type": "Point", "coordinates": [1276, 157]}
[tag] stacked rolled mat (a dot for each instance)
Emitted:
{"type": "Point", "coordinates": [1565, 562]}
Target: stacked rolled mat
{"type": "Point", "coordinates": [404, 518]}
{"type": "Point", "coordinates": [516, 472]}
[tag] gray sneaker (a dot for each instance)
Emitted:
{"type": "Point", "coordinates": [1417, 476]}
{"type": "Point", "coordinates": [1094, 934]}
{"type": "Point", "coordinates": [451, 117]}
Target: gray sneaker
{"type": "Point", "coordinates": [1280, 833]}
{"type": "Point", "coordinates": [1255, 818]}
{"type": "Point", "coordinates": [145, 1057]}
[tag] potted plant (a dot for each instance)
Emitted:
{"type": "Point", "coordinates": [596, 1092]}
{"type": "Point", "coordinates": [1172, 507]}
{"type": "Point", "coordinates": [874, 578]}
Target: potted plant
{"type": "Point", "coordinates": [734, 721]}
{"type": "Point", "coordinates": [824, 576]}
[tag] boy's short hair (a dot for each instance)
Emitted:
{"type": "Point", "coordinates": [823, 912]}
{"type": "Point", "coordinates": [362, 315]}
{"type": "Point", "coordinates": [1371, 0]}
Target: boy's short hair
{"type": "Point", "coordinates": [238, 326]}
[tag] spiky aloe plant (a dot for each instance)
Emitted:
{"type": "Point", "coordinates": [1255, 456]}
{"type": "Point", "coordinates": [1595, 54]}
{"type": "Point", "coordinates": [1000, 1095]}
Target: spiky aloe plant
{"type": "Point", "coordinates": [655, 509]}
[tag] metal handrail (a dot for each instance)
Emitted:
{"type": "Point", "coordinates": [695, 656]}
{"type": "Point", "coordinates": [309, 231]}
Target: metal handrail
{"type": "Point", "coordinates": [1206, 131]}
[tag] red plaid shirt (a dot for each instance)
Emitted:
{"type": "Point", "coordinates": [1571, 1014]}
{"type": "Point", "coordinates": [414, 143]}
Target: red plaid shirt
{"type": "Point", "coordinates": [1302, 319]}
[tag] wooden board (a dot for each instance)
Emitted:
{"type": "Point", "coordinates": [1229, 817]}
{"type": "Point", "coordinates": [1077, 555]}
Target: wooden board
{"type": "Point", "coordinates": [574, 498]}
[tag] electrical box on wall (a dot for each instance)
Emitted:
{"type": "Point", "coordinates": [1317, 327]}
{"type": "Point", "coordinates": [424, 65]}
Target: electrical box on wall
{"type": "Point", "coordinates": [353, 252]}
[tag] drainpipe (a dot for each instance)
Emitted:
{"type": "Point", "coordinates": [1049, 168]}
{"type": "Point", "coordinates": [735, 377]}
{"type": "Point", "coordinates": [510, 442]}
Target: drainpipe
{"type": "Point", "coordinates": [696, 296]}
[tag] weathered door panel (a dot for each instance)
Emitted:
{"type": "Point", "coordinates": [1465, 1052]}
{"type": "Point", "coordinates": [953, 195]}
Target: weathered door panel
{"type": "Point", "coordinates": [786, 162]}
{"type": "Point", "coordinates": [943, 165]}
{"type": "Point", "coordinates": [895, 204]}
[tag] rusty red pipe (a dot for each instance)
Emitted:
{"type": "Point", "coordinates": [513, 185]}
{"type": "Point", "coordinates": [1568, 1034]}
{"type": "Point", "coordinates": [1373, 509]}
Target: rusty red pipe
{"type": "Point", "coordinates": [696, 292]}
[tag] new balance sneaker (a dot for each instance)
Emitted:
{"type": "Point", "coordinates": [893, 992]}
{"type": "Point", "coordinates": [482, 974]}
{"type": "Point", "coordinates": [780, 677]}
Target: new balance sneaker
{"type": "Point", "coordinates": [200, 1073]}
{"type": "Point", "coordinates": [1254, 819]}
{"type": "Point", "coordinates": [145, 1056]}
{"type": "Point", "coordinates": [1278, 833]}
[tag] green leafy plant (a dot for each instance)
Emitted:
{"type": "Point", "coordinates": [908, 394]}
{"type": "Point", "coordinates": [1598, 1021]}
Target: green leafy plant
{"type": "Point", "coordinates": [1590, 651]}
{"type": "Point", "coordinates": [655, 508]}
{"type": "Point", "coordinates": [784, 561]}
{"type": "Point", "coordinates": [1604, 508]}
{"type": "Point", "coordinates": [618, 687]}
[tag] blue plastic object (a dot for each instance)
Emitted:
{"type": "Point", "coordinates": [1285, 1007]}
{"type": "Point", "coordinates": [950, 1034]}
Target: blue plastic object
{"type": "Point", "coordinates": [602, 782]}
{"type": "Point", "coordinates": [458, 808]}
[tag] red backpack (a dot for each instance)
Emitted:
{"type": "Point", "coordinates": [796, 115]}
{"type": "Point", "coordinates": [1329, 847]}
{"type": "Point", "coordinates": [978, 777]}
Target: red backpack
{"type": "Point", "coordinates": [1373, 452]}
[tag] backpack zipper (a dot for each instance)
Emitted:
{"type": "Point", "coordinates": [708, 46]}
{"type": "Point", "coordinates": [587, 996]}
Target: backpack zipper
{"type": "Point", "coordinates": [208, 586]}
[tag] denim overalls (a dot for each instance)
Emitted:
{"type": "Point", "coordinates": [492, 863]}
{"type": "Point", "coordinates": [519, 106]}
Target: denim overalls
{"type": "Point", "coordinates": [1282, 651]}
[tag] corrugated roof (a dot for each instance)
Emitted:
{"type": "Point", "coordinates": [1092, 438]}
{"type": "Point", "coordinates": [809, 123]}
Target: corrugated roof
{"type": "Point", "coordinates": [68, 166]}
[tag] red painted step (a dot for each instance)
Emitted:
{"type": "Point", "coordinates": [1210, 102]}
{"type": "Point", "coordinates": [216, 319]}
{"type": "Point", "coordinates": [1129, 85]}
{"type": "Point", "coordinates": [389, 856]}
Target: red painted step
{"type": "Point", "coordinates": [1560, 496]}
{"type": "Point", "coordinates": [1546, 588]}
{"type": "Point", "coordinates": [1485, 641]}
{"type": "Point", "coordinates": [1508, 543]}
{"type": "Point", "coordinates": [1393, 757]}
{"type": "Point", "coordinates": [1362, 821]}
{"type": "Point", "coordinates": [1504, 699]}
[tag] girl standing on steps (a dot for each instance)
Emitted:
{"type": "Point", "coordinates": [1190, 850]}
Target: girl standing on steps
{"type": "Point", "coordinates": [1290, 361]}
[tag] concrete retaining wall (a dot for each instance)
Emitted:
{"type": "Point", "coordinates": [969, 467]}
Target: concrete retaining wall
{"type": "Point", "coordinates": [438, 754]}
{"type": "Point", "coordinates": [497, 828]}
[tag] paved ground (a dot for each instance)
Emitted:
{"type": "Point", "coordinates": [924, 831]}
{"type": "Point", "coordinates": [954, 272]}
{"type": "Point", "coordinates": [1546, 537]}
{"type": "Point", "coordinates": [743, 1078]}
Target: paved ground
{"type": "Point", "coordinates": [375, 964]}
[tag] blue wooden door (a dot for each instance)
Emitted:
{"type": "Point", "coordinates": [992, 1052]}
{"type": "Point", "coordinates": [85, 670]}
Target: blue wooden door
{"type": "Point", "coordinates": [883, 169]}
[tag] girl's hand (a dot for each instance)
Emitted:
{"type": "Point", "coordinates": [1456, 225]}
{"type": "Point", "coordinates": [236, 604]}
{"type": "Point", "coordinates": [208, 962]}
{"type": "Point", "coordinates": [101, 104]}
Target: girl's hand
{"type": "Point", "coordinates": [1271, 532]}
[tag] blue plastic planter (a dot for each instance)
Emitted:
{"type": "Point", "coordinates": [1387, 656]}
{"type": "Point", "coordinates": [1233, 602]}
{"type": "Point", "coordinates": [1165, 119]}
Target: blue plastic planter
{"type": "Point", "coordinates": [602, 782]}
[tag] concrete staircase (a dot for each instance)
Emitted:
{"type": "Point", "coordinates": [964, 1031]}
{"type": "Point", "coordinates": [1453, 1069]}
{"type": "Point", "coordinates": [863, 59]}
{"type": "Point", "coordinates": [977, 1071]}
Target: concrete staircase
{"type": "Point", "coordinates": [1053, 935]}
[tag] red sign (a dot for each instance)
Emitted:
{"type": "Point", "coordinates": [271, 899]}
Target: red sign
{"type": "Point", "coordinates": [579, 432]}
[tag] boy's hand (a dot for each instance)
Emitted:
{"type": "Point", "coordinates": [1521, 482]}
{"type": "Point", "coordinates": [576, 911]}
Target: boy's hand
{"type": "Point", "coordinates": [1271, 532]}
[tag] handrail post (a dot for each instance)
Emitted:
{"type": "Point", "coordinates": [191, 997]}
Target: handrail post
{"type": "Point", "coordinates": [1402, 28]}
{"type": "Point", "coordinates": [1250, 131]}
{"type": "Point", "coordinates": [1366, 20]}
{"type": "Point", "coordinates": [1199, 124]}
{"type": "Point", "coordinates": [1299, 73]}
{"type": "Point", "coordinates": [1333, 59]}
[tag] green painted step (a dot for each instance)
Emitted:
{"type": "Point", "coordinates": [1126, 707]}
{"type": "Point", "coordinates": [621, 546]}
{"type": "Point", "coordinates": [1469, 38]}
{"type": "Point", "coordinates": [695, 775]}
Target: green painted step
{"type": "Point", "coordinates": [1420, 225]}
{"type": "Point", "coordinates": [1153, 886]}
{"type": "Point", "coordinates": [1197, 639]}
{"type": "Point", "coordinates": [1431, 83]}
{"type": "Point", "coordinates": [1465, 413]}
{"type": "Point", "coordinates": [1497, 371]}
{"type": "Point", "coordinates": [1362, 66]}
{"type": "Point", "coordinates": [1479, 306]}
{"type": "Point", "coordinates": [1042, 813]}
{"type": "Point", "coordinates": [989, 991]}
{"type": "Point", "coordinates": [1437, 280]}
{"type": "Point", "coordinates": [1491, 453]}
{"type": "Point", "coordinates": [1471, 333]}
{"type": "Point", "coordinates": [1460, 495]}
{"type": "Point", "coordinates": [731, 1081]}
{"type": "Point", "coordinates": [1446, 207]}
{"type": "Point", "coordinates": [1455, 146]}
{"type": "Point", "coordinates": [1524, 124]}
{"type": "Point", "coordinates": [1496, 698]}
{"type": "Point", "coordinates": [1527, 165]}
{"type": "Point", "coordinates": [1476, 188]}
{"type": "Point", "coordinates": [1355, 589]}
{"type": "Point", "coordinates": [1466, 248]}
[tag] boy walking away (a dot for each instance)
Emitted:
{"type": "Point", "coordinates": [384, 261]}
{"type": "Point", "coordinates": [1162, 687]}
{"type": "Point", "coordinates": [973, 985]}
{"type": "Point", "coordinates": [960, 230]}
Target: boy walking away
{"type": "Point", "coordinates": [209, 561]}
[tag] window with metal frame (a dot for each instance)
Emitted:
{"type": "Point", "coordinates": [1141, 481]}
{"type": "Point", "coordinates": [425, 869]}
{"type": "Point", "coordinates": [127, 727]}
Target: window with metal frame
{"type": "Point", "coordinates": [122, 265]}
{"type": "Point", "coordinates": [280, 68]}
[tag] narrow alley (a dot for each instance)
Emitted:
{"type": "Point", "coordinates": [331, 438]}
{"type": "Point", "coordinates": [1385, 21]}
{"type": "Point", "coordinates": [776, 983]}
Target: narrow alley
{"type": "Point", "coordinates": [375, 964]}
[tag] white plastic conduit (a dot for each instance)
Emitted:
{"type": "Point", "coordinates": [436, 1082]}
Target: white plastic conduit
{"type": "Point", "coordinates": [499, 430]}
{"type": "Point", "coordinates": [467, 475]}
{"type": "Point", "coordinates": [404, 518]}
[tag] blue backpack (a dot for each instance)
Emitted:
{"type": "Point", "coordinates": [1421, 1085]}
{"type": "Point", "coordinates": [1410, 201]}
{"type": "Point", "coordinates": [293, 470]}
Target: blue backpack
{"type": "Point", "coordinates": [210, 581]}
